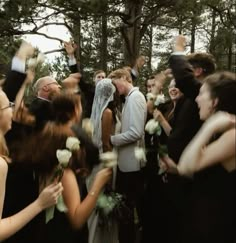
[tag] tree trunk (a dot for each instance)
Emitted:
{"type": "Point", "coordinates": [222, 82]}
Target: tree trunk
{"type": "Point", "coordinates": [76, 35]}
{"type": "Point", "coordinates": [212, 34]}
{"type": "Point", "coordinates": [230, 55]}
{"type": "Point", "coordinates": [149, 63]}
{"type": "Point", "coordinates": [104, 37]}
{"type": "Point", "coordinates": [131, 30]}
{"type": "Point", "coordinates": [193, 30]}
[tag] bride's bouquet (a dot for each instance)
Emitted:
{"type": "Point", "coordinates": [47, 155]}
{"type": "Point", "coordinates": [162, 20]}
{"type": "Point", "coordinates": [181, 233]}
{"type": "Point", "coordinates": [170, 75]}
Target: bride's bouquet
{"type": "Point", "coordinates": [110, 204]}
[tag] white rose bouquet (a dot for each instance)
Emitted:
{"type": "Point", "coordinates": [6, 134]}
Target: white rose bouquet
{"type": "Point", "coordinates": [140, 155]}
{"type": "Point", "coordinates": [150, 96]}
{"type": "Point", "coordinates": [33, 62]}
{"type": "Point", "coordinates": [153, 127]}
{"type": "Point", "coordinates": [109, 159]}
{"type": "Point", "coordinates": [110, 204]}
{"type": "Point", "coordinates": [63, 156]}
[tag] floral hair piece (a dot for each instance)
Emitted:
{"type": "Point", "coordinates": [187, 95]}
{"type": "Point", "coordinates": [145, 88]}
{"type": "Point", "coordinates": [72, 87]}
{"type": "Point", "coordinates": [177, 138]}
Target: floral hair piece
{"type": "Point", "coordinates": [63, 156]}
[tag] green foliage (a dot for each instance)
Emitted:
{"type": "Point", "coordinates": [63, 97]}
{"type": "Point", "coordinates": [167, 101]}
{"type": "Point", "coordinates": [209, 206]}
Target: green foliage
{"type": "Point", "coordinates": [59, 68]}
{"type": "Point", "coordinates": [8, 48]}
{"type": "Point", "coordinates": [149, 30]}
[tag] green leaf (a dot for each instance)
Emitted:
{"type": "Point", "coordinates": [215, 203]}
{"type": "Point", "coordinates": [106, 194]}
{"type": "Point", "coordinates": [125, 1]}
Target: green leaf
{"type": "Point", "coordinates": [61, 205]}
{"type": "Point", "coordinates": [50, 213]}
{"type": "Point", "coordinates": [158, 131]}
{"type": "Point", "coordinates": [162, 150]}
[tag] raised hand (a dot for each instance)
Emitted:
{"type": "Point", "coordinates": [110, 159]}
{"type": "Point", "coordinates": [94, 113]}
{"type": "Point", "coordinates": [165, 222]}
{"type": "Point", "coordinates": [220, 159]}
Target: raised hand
{"type": "Point", "coordinates": [70, 48]}
{"type": "Point", "coordinates": [179, 43]}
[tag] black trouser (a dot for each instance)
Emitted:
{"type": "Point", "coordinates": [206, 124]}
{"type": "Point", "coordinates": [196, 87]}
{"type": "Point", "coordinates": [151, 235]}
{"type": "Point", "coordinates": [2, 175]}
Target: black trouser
{"type": "Point", "coordinates": [130, 185]}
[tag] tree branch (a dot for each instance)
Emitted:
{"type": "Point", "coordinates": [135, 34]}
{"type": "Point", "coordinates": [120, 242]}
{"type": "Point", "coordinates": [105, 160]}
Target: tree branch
{"type": "Point", "coordinates": [30, 32]}
{"type": "Point", "coordinates": [220, 12]}
{"type": "Point", "coordinates": [46, 24]}
{"type": "Point", "coordinates": [52, 51]}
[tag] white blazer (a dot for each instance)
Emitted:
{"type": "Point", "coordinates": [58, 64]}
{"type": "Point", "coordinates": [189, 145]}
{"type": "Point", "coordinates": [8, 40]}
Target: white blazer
{"type": "Point", "coordinates": [133, 121]}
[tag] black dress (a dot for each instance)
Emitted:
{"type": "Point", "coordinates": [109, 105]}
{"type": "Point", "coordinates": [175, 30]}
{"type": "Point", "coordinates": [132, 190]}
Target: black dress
{"type": "Point", "coordinates": [22, 189]}
{"type": "Point", "coordinates": [211, 216]}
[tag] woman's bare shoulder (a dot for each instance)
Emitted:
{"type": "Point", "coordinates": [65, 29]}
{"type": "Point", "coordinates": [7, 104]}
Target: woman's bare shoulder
{"type": "Point", "coordinates": [3, 164]}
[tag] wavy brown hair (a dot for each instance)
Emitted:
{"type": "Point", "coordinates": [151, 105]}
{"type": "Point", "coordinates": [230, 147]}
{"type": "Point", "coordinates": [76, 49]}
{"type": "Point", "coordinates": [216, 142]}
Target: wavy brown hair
{"type": "Point", "coordinates": [222, 86]}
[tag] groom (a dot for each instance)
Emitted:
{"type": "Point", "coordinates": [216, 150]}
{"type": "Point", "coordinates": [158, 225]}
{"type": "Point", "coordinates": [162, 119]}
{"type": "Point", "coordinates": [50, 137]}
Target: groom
{"type": "Point", "coordinates": [129, 178]}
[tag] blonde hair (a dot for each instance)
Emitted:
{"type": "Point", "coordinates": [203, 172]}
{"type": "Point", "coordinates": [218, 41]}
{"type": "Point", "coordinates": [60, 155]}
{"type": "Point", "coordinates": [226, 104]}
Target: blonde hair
{"type": "Point", "coordinates": [119, 73]}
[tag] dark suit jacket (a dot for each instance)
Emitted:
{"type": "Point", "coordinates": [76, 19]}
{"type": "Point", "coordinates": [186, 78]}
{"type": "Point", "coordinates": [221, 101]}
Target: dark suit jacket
{"type": "Point", "coordinates": [184, 77]}
{"type": "Point", "coordinates": [11, 86]}
{"type": "Point", "coordinates": [13, 83]}
{"type": "Point", "coordinates": [185, 124]}
{"type": "Point", "coordinates": [88, 91]}
{"type": "Point", "coordinates": [186, 121]}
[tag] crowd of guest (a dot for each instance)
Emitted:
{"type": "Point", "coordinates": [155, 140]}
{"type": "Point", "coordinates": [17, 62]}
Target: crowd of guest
{"type": "Point", "coordinates": [161, 164]}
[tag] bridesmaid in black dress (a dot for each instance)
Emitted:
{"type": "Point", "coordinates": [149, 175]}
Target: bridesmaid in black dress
{"type": "Point", "coordinates": [210, 158]}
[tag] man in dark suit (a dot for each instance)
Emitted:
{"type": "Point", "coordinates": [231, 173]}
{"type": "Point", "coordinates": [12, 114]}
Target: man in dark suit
{"type": "Point", "coordinates": [45, 88]}
{"type": "Point", "coordinates": [189, 73]}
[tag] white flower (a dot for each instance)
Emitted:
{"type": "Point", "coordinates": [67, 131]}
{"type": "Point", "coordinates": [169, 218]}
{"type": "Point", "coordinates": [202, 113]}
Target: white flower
{"type": "Point", "coordinates": [150, 96]}
{"type": "Point", "coordinates": [160, 100]}
{"type": "Point", "coordinates": [32, 63]}
{"type": "Point", "coordinates": [109, 159]}
{"type": "Point", "coordinates": [110, 164]}
{"type": "Point", "coordinates": [87, 126]}
{"type": "Point", "coordinates": [63, 156]}
{"type": "Point", "coordinates": [152, 126]}
{"type": "Point", "coordinates": [40, 58]}
{"type": "Point", "coordinates": [140, 154]}
{"type": "Point", "coordinates": [73, 143]}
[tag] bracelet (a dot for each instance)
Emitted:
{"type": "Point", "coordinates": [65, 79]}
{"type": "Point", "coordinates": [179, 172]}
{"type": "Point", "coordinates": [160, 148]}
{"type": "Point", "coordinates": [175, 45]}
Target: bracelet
{"type": "Point", "coordinates": [92, 193]}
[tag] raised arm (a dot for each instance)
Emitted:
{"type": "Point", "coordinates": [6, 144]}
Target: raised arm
{"type": "Point", "coordinates": [70, 50]}
{"type": "Point", "coordinates": [199, 154]}
{"type": "Point", "coordinates": [182, 70]}
{"type": "Point", "coordinates": [86, 88]}
{"type": "Point", "coordinates": [17, 75]}
{"type": "Point", "coordinates": [20, 113]}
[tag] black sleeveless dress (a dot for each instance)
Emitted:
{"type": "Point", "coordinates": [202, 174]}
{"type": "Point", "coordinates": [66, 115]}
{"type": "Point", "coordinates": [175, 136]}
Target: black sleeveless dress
{"type": "Point", "coordinates": [22, 189]}
{"type": "Point", "coordinates": [211, 216]}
